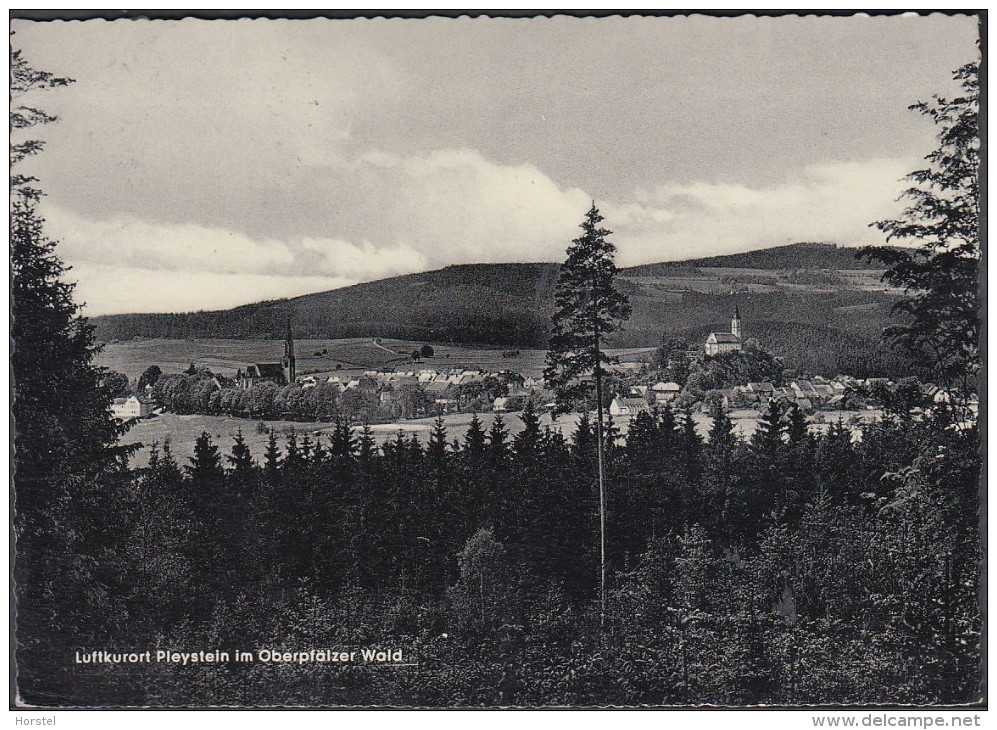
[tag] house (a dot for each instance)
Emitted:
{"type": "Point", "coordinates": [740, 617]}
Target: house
{"type": "Point", "coordinates": [836, 402]}
{"type": "Point", "coordinates": [665, 392]}
{"type": "Point", "coordinates": [824, 391]}
{"type": "Point", "coordinates": [811, 390]}
{"type": "Point", "coordinates": [717, 343]}
{"type": "Point", "coordinates": [870, 382]}
{"type": "Point", "coordinates": [308, 382]}
{"type": "Point", "coordinates": [445, 405]}
{"type": "Point", "coordinates": [755, 392]}
{"type": "Point", "coordinates": [500, 405]}
{"type": "Point", "coordinates": [127, 409]}
{"type": "Point", "coordinates": [628, 406]}
{"type": "Point", "coordinates": [638, 391]}
{"type": "Point", "coordinates": [436, 387]}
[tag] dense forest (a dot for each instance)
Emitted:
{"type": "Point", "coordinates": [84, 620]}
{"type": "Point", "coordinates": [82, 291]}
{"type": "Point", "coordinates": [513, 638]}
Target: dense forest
{"type": "Point", "coordinates": [794, 256]}
{"type": "Point", "coordinates": [794, 568]}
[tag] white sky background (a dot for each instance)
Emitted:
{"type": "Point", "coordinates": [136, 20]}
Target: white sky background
{"type": "Point", "coordinates": [205, 164]}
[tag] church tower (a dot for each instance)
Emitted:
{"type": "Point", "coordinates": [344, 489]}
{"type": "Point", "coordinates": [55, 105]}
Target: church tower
{"type": "Point", "coordinates": [289, 354]}
{"type": "Point", "coordinates": [735, 323]}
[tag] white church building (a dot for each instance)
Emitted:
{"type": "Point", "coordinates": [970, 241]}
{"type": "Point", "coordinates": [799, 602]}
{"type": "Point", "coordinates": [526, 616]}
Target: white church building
{"type": "Point", "coordinates": [718, 343]}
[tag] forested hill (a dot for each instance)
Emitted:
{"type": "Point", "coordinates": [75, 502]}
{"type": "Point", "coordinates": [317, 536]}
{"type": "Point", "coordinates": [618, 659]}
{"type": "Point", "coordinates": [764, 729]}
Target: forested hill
{"type": "Point", "coordinates": [511, 305]}
{"type": "Point", "coordinates": [792, 257]}
{"type": "Point", "coordinates": [498, 304]}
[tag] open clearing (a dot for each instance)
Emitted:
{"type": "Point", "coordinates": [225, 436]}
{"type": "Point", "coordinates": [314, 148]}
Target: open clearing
{"type": "Point", "coordinates": [182, 431]}
{"type": "Point", "coordinates": [319, 356]}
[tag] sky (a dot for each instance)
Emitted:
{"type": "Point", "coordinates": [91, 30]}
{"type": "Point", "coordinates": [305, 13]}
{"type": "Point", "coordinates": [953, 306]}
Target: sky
{"type": "Point", "coordinates": [205, 164]}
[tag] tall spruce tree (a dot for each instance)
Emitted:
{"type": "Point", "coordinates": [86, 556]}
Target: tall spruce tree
{"type": "Point", "coordinates": [940, 276]}
{"type": "Point", "coordinates": [587, 308]}
{"type": "Point", "coordinates": [720, 463]}
{"type": "Point", "coordinates": [64, 435]}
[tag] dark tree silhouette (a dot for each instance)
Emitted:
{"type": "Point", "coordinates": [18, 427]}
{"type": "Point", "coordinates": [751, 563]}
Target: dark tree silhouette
{"type": "Point", "coordinates": [940, 276]}
{"type": "Point", "coordinates": [65, 460]}
{"type": "Point", "coordinates": [149, 377]}
{"type": "Point", "coordinates": [24, 79]}
{"type": "Point", "coordinates": [587, 308]}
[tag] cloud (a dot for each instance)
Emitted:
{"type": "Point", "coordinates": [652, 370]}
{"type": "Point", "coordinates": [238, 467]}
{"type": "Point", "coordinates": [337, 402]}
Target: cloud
{"type": "Point", "coordinates": [364, 262]}
{"type": "Point", "coordinates": [111, 289]}
{"type": "Point", "coordinates": [128, 241]}
{"type": "Point", "coordinates": [127, 265]}
{"type": "Point", "coordinates": [833, 202]}
{"type": "Point", "coordinates": [455, 206]}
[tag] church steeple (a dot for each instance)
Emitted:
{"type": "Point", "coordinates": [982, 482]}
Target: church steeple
{"type": "Point", "coordinates": [289, 353]}
{"type": "Point", "coordinates": [735, 323]}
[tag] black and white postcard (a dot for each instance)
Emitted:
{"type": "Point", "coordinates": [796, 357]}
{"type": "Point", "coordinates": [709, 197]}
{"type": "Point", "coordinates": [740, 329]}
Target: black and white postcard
{"type": "Point", "coordinates": [497, 362]}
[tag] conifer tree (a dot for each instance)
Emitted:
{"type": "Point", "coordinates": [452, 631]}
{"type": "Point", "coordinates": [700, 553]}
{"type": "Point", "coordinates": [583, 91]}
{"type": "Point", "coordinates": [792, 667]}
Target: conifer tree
{"type": "Point", "coordinates": [436, 450]}
{"type": "Point", "coordinates": [642, 435]}
{"type": "Point", "coordinates": [940, 276]}
{"type": "Point", "coordinates": [271, 458]}
{"type": "Point", "coordinates": [692, 450]}
{"type": "Point", "coordinates": [719, 455]}
{"type": "Point", "coordinates": [588, 307]}
{"type": "Point", "coordinates": [241, 460]}
{"type": "Point", "coordinates": [366, 446]}
{"type": "Point", "coordinates": [64, 453]}
{"type": "Point", "coordinates": [25, 79]}
{"type": "Point", "coordinates": [206, 464]}
{"type": "Point", "coordinates": [293, 463]}
{"type": "Point", "coordinates": [498, 436]}
{"type": "Point", "coordinates": [343, 444]}
{"type": "Point", "coordinates": [474, 440]}
{"type": "Point", "coordinates": [767, 438]}
{"type": "Point", "coordinates": [797, 426]}
{"type": "Point", "coordinates": [667, 428]}
{"type": "Point", "coordinates": [414, 448]}
{"type": "Point", "coordinates": [319, 455]}
{"type": "Point", "coordinates": [526, 443]}
{"type": "Point", "coordinates": [583, 439]}
{"type": "Point", "coordinates": [306, 448]}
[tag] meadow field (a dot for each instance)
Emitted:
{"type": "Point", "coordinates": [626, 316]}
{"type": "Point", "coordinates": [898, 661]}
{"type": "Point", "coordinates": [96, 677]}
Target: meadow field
{"type": "Point", "coordinates": [719, 280]}
{"type": "Point", "coordinates": [320, 356]}
{"type": "Point", "coordinates": [182, 431]}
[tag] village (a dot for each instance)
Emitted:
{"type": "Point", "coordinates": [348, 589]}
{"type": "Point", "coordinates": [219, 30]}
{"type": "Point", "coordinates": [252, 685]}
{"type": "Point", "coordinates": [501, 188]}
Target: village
{"type": "Point", "coordinates": [275, 390]}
